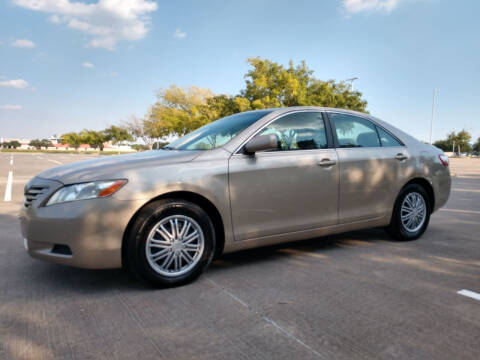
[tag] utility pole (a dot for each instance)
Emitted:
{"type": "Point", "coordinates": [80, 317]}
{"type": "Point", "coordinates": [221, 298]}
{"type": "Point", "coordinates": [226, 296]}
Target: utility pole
{"type": "Point", "coordinates": [351, 80]}
{"type": "Point", "coordinates": [435, 92]}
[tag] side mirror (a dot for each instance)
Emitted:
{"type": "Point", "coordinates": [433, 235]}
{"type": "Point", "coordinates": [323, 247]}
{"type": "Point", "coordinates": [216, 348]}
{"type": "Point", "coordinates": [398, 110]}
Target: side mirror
{"type": "Point", "coordinates": [262, 143]}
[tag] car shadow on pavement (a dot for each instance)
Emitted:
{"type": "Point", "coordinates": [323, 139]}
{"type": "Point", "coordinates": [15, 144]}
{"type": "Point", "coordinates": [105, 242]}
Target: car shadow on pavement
{"type": "Point", "coordinates": [65, 278]}
{"type": "Point", "coordinates": [85, 280]}
{"type": "Point", "coordinates": [316, 247]}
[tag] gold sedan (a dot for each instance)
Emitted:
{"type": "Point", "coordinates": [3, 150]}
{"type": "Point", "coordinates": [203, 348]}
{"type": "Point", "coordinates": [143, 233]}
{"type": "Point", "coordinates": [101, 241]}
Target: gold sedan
{"type": "Point", "coordinates": [251, 179]}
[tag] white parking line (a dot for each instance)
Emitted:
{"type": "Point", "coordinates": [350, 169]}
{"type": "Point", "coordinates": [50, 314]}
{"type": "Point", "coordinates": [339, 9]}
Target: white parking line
{"type": "Point", "coordinates": [466, 190]}
{"type": "Point", "coordinates": [54, 161]}
{"type": "Point", "coordinates": [462, 211]}
{"type": "Point", "coordinates": [270, 321]}
{"type": "Point", "coordinates": [470, 294]}
{"type": "Point", "coordinates": [11, 160]}
{"type": "Point", "coordinates": [8, 189]}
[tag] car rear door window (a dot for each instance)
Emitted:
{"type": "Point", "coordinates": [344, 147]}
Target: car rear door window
{"type": "Point", "coordinates": [354, 131]}
{"type": "Point", "coordinates": [387, 139]}
{"type": "Point", "coordinates": [298, 131]}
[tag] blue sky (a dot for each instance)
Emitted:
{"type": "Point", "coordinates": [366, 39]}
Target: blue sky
{"type": "Point", "coordinates": [69, 65]}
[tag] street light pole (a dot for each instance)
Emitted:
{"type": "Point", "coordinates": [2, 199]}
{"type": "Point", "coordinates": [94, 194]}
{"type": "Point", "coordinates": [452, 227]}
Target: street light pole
{"type": "Point", "coordinates": [435, 92]}
{"type": "Point", "coordinates": [351, 80]}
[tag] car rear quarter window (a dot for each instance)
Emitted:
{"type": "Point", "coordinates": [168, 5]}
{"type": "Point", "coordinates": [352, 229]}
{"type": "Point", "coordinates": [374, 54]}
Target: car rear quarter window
{"type": "Point", "coordinates": [298, 131]}
{"type": "Point", "coordinates": [387, 139]}
{"type": "Point", "coordinates": [354, 131]}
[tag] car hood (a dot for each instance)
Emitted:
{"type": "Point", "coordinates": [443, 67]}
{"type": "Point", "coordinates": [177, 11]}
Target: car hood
{"type": "Point", "coordinates": [115, 166]}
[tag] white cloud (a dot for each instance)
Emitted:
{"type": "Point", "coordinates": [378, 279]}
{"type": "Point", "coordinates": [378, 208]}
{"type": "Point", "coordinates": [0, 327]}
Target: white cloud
{"type": "Point", "coordinates": [10, 107]}
{"type": "Point", "coordinates": [55, 19]}
{"type": "Point", "coordinates": [106, 21]}
{"type": "Point", "coordinates": [23, 43]}
{"type": "Point", "coordinates": [88, 65]}
{"type": "Point", "coordinates": [178, 34]}
{"type": "Point", "coordinates": [17, 84]}
{"type": "Point", "coordinates": [356, 6]}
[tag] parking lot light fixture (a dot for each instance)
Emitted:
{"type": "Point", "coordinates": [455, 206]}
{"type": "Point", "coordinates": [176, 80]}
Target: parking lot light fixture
{"type": "Point", "coordinates": [435, 92]}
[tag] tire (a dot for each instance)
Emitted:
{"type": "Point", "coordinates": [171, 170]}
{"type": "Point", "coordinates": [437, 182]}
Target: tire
{"type": "Point", "coordinates": [161, 255]}
{"type": "Point", "coordinates": [403, 230]}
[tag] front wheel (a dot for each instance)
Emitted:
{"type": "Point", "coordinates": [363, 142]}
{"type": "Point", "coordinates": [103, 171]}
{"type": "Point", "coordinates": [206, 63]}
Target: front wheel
{"type": "Point", "coordinates": [411, 213]}
{"type": "Point", "coordinates": [171, 243]}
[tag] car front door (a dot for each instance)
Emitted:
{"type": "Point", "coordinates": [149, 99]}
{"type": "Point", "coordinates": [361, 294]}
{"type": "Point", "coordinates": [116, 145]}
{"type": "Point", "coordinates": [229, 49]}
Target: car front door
{"type": "Point", "coordinates": [370, 167]}
{"type": "Point", "coordinates": [290, 189]}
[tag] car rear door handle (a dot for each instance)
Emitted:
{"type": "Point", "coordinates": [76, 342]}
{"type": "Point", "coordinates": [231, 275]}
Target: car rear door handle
{"type": "Point", "coordinates": [400, 157]}
{"type": "Point", "coordinates": [326, 162]}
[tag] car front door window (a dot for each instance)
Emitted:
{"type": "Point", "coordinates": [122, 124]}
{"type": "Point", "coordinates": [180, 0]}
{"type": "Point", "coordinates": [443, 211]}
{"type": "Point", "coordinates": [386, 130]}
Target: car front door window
{"type": "Point", "coordinates": [298, 131]}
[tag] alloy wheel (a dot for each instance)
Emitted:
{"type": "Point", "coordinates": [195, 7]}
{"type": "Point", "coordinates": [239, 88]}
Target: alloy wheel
{"type": "Point", "coordinates": [175, 245]}
{"type": "Point", "coordinates": [413, 212]}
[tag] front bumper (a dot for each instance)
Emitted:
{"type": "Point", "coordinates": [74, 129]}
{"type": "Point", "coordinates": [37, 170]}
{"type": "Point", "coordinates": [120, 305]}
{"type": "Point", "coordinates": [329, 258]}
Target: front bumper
{"type": "Point", "coordinates": [91, 229]}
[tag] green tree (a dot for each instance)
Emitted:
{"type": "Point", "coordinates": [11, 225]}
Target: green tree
{"type": "Point", "coordinates": [460, 140]}
{"type": "Point", "coordinates": [46, 143]}
{"type": "Point", "coordinates": [14, 144]}
{"type": "Point", "coordinates": [443, 145]}
{"type": "Point", "coordinates": [463, 141]}
{"type": "Point", "coordinates": [36, 143]}
{"type": "Point", "coordinates": [72, 139]}
{"type": "Point", "coordinates": [117, 134]}
{"type": "Point", "coordinates": [178, 111]}
{"type": "Point", "coordinates": [269, 84]}
{"type": "Point", "coordinates": [476, 146]}
{"type": "Point", "coordinates": [223, 105]}
{"type": "Point", "coordinates": [95, 139]}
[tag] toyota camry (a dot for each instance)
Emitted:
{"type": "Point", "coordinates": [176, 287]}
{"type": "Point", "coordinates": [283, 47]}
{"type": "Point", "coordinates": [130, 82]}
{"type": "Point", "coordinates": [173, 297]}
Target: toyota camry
{"type": "Point", "coordinates": [247, 180]}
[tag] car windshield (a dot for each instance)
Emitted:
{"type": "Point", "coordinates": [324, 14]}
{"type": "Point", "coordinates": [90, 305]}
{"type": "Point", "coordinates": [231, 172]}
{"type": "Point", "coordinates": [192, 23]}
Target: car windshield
{"type": "Point", "coordinates": [217, 133]}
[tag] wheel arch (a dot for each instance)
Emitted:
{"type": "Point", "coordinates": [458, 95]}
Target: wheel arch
{"type": "Point", "coordinates": [192, 197]}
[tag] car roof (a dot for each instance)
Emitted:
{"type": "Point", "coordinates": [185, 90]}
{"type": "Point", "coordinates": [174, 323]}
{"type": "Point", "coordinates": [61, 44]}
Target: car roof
{"type": "Point", "coordinates": [281, 110]}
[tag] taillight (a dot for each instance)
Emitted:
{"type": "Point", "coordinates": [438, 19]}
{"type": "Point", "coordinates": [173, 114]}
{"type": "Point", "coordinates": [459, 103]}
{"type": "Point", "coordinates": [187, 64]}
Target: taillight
{"type": "Point", "coordinates": [443, 159]}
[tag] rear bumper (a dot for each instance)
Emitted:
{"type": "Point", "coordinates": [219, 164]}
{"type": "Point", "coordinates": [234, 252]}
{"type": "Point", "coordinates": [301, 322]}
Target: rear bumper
{"type": "Point", "coordinates": [442, 183]}
{"type": "Point", "coordinates": [91, 229]}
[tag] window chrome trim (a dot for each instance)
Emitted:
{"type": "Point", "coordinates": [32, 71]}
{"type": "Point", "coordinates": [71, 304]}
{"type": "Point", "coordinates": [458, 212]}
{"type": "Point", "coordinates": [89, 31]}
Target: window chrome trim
{"type": "Point", "coordinates": [320, 112]}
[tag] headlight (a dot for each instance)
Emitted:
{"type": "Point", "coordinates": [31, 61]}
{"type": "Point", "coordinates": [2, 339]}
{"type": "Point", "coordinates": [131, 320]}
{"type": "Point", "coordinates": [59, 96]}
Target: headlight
{"type": "Point", "coordinates": [90, 190]}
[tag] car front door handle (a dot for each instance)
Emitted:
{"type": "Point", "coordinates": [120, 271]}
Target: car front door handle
{"type": "Point", "coordinates": [400, 157]}
{"type": "Point", "coordinates": [326, 162]}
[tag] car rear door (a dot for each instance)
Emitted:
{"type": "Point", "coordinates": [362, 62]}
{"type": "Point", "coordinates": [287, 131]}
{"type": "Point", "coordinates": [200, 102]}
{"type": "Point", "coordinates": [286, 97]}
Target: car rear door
{"type": "Point", "coordinates": [369, 172]}
{"type": "Point", "coordinates": [291, 189]}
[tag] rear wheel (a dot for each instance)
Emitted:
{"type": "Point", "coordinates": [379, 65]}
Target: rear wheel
{"type": "Point", "coordinates": [171, 243]}
{"type": "Point", "coordinates": [411, 213]}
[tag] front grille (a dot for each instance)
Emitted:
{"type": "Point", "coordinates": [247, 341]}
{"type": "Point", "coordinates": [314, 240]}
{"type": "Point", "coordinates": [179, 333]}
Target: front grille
{"type": "Point", "coordinates": [32, 193]}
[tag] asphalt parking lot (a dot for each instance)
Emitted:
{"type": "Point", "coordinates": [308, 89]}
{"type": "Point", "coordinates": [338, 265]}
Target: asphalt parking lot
{"type": "Point", "coordinates": [351, 296]}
